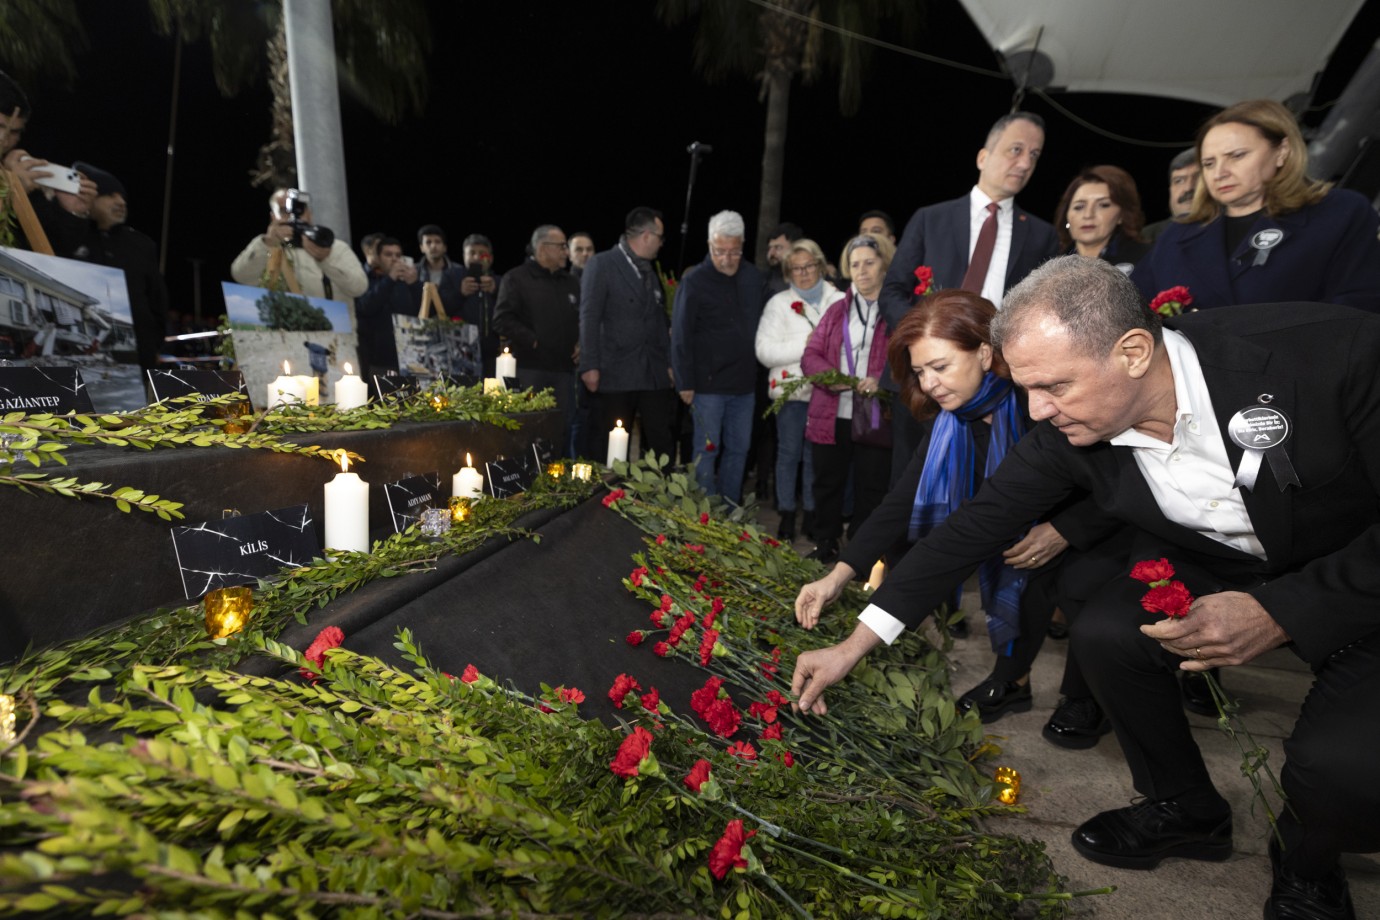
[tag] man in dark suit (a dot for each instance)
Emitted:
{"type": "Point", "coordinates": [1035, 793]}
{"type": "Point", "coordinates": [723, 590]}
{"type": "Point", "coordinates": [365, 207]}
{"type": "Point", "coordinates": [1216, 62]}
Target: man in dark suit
{"type": "Point", "coordinates": [625, 339]}
{"type": "Point", "coordinates": [983, 242]}
{"type": "Point", "coordinates": [1151, 422]}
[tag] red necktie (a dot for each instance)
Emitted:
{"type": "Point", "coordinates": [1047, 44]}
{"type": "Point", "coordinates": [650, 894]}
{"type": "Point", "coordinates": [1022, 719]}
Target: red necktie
{"type": "Point", "coordinates": [982, 252]}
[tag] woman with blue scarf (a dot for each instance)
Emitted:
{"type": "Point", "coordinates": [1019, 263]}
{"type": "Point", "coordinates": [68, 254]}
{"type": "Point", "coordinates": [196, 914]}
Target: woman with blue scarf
{"type": "Point", "coordinates": [971, 415]}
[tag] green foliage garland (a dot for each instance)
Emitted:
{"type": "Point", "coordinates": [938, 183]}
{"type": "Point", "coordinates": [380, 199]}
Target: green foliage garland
{"type": "Point", "coordinates": [176, 786]}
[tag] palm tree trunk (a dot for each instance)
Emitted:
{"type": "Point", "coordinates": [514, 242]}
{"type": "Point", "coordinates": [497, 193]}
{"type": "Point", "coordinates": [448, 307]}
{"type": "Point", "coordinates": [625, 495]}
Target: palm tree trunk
{"type": "Point", "coordinates": [277, 166]}
{"type": "Point", "coordinates": [778, 90]}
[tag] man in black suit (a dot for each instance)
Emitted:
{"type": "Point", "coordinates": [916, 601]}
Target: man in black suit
{"type": "Point", "coordinates": [948, 238]}
{"type": "Point", "coordinates": [1152, 423]}
{"type": "Point", "coordinates": [625, 339]}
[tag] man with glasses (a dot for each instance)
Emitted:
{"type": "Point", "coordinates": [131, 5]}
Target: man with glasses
{"type": "Point", "coordinates": [712, 335]}
{"type": "Point", "coordinates": [538, 312]}
{"type": "Point", "coordinates": [625, 342]}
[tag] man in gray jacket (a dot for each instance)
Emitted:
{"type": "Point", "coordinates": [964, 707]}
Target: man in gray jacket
{"type": "Point", "coordinates": [625, 340]}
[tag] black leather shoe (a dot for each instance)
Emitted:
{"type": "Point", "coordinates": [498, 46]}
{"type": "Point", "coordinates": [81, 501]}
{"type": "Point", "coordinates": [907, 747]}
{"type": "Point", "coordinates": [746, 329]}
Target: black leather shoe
{"type": "Point", "coordinates": [1077, 723]}
{"type": "Point", "coordinates": [1140, 836]}
{"type": "Point", "coordinates": [786, 531]}
{"type": "Point", "coordinates": [959, 629]}
{"type": "Point", "coordinates": [1058, 630]}
{"type": "Point", "coordinates": [995, 698]}
{"type": "Point", "coordinates": [826, 552]}
{"type": "Point", "coordinates": [1295, 898]}
{"type": "Point", "coordinates": [1196, 693]}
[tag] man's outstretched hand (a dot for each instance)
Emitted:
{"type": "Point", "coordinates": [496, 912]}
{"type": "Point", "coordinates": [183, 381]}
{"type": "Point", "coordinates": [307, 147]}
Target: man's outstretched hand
{"type": "Point", "coordinates": [817, 670]}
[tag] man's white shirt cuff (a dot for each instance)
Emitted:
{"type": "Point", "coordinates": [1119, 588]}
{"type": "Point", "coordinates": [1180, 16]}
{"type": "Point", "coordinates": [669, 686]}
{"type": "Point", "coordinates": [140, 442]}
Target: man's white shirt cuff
{"type": "Point", "coordinates": [886, 626]}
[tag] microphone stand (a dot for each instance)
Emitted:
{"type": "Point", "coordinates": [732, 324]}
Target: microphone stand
{"type": "Point", "coordinates": [696, 150]}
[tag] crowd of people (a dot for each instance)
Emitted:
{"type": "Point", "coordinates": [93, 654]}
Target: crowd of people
{"type": "Point", "coordinates": [987, 392]}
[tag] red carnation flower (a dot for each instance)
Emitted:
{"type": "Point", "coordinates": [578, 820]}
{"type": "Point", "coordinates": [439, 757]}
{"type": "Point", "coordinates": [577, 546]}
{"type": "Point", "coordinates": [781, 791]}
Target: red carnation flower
{"type": "Point", "coordinates": [328, 638]}
{"type": "Point", "coordinates": [709, 447]}
{"type": "Point", "coordinates": [698, 775]}
{"type": "Point", "coordinates": [785, 373]}
{"type": "Point", "coordinates": [636, 636]}
{"type": "Point", "coordinates": [717, 607]}
{"type": "Point", "coordinates": [661, 539]}
{"type": "Point", "coordinates": [704, 696]}
{"type": "Point", "coordinates": [723, 717]}
{"type": "Point", "coordinates": [622, 686]}
{"type": "Point", "coordinates": [773, 696]}
{"type": "Point", "coordinates": [773, 384]}
{"type": "Point", "coordinates": [666, 603]}
{"type": "Point", "coordinates": [763, 711]}
{"type": "Point", "coordinates": [662, 649]}
{"type": "Point", "coordinates": [743, 749]}
{"type": "Point", "coordinates": [700, 581]}
{"type": "Point", "coordinates": [651, 700]}
{"type": "Point", "coordinates": [772, 732]}
{"type": "Point", "coordinates": [707, 640]}
{"type": "Point", "coordinates": [1172, 302]}
{"type": "Point", "coordinates": [798, 306]}
{"type": "Point", "coordinates": [695, 548]}
{"type": "Point", "coordinates": [704, 517]}
{"type": "Point", "coordinates": [470, 674]}
{"type": "Point", "coordinates": [637, 575]}
{"type": "Point", "coordinates": [771, 541]}
{"type": "Point", "coordinates": [728, 852]}
{"type": "Point", "coordinates": [1172, 599]}
{"type": "Point", "coordinates": [572, 695]}
{"type": "Point", "coordinates": [787, 758]}
{"type": "Point", "coordinates": [632, 752]}
{"type": "Point", "coordinates": [1153, 570]}
{"type": "Point", "coordinates": [658, 618]}
{"type": "Point", "coordinates": [613, 496]}
{"type": "Point", "coordinates": [924, 277]}
{"type": "Point", "coordinates": [744, 537]}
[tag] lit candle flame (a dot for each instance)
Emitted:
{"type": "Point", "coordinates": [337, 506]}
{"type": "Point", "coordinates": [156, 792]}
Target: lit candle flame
{"type": "Point", "coordinates": [287, 371]}
{"type": "Point", "coordinates": [505, 351]}
{"type": "Point", "coordinates": [468, 461]}
{"type": "Point", "coordinates": [620, 423]}
{"type": "Point", "coordinates": [343, 458]}
{"type": "Point", "coordinates": [348, 369]}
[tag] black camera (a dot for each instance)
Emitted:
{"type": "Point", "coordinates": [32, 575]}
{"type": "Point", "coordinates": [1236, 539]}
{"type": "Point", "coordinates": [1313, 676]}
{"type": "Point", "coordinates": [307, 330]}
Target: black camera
{"type": "Point", "coordinates": [297, 202]}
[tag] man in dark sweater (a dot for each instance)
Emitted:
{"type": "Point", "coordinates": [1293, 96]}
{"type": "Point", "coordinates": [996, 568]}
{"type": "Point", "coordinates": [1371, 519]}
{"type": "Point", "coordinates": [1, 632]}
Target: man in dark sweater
{"type": "Point", "coordinates": [713, 334]}
{"type": "Point", "coordinates": [538, 312]}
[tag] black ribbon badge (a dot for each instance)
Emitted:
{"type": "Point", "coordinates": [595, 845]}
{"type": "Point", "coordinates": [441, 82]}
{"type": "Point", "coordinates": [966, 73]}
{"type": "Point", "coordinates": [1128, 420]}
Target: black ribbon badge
{"type": "Point", "coordinates": [1261, 431]}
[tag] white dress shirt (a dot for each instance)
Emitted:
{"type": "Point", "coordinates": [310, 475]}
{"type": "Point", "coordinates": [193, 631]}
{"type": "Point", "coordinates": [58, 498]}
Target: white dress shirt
{"type": "Point", "coordinates": [994, 287]}
{"type": "Point", "coordinates": [1190, 476]}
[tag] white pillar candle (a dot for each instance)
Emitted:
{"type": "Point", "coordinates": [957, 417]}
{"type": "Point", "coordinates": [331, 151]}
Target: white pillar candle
{"type": "Point", "coordinates": [618, 444]}
{"type": "Point", "coordinates": [469, 482]}
{"type": "Point", "coordinates": [505, 365]}
{"type": "Point", "coordinates": [347, 509]}
{"type": "Point", "coordinates": [286, 390]}
{"type": "Point", "coordinates": [351, 392]}
{"type": "Point", "coordinates": [492, 386]}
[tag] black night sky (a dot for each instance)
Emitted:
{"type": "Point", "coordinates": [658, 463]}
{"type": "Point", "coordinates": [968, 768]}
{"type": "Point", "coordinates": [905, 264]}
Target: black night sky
{"type": "Point", "coordinates": [572, 114]}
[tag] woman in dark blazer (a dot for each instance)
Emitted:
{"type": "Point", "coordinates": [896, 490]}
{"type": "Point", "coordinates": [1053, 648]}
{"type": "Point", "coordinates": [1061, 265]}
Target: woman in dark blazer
{"type": "Point", "coordinates": [1260, 230]}
{"type": "Point", "coordinates": [1099, 217]}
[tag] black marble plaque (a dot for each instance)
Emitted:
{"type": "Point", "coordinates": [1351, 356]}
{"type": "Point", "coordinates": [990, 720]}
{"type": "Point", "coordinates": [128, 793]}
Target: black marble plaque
{"type": "Point", "coordinates": [57, 390]}
{"type": "Point", "coordinates": [241, 550]}
{"type": "Point", "coordinates": [545, 452]}
{"type": "Point", "coordinates": [408, 498]}
{"type": "Point", "coordinates": [170, 384]}
{"type": "Point", "coordinates": [511, 475]}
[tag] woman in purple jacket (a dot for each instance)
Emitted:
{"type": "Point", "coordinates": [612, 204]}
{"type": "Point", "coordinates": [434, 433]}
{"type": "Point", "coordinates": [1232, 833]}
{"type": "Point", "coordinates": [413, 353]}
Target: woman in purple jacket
{"type": "Point", "coordinates": [851, 337]}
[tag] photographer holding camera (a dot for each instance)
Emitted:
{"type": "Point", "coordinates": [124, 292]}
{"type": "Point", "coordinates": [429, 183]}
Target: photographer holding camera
{"type": "Point", "coordinates": [324, 266]}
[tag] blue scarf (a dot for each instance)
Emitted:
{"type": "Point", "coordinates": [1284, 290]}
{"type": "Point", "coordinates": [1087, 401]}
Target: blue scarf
{"type": "Point", "coordinates": [948, 480]}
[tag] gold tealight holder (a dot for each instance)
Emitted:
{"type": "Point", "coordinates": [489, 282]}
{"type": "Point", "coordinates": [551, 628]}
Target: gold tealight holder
{"type": "Point", "coordinates": [239, 417]}
{"type": "Point", "coordinates": [439, 401]}
{"type": "Point", "coordinates": [556, 470]}
{"type": "Point", "coordinates": [582, 471]}
{"type": "Point", "coordinates": [227, 610]}
{"type": "Point", "coordinates": [459, 509]}
{"type": "Point", "coordinates": [1010, 782]}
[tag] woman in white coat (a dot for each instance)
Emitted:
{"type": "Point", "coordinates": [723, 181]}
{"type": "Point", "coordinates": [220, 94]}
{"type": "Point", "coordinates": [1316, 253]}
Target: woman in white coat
{"type": "Point", "coordinates": [787, 322]}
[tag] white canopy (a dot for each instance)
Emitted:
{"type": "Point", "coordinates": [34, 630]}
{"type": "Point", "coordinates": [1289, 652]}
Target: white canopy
{"type": "Point", "coordinates": [1212, 51]}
